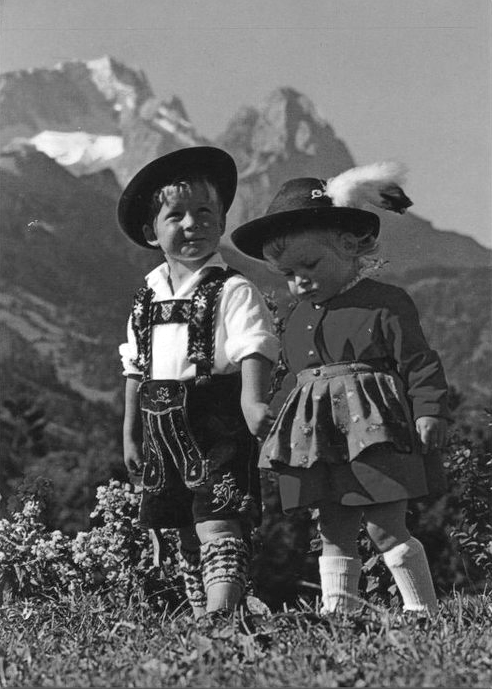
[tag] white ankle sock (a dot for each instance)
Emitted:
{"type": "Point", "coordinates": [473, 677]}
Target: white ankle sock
{"type": "Point", "coordinates": [339, 582]}
{"type": "Point", "coordinates": [408, 564]}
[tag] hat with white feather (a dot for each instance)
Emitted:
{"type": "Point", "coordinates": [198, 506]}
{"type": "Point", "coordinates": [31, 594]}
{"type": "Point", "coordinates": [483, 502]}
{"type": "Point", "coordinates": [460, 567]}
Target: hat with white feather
{"type": "Point", "coordinates": [337, 204]}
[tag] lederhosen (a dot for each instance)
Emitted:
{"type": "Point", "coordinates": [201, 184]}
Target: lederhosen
{"type": "Point", "coordinates": [200, 461]}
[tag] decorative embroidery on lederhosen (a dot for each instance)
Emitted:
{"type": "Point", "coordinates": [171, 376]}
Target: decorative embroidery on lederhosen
{"type": "Point", "coordinates": [167, 436]}
{"type": "Point", "coordinates": [166, 427]}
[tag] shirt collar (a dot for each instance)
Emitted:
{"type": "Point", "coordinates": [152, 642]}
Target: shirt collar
{"type": "Point", "coordinates": [157, 279]}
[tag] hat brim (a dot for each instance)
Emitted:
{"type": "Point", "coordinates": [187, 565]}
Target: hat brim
{"type": "Point", "coordinates": [212, 163]}
{"type": "Point", "coordinates": [252, 236]}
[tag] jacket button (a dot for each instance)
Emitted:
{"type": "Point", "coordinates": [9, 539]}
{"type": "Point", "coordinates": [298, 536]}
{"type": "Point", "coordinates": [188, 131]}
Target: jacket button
{"type": "Point", "coordinates": [311, 352]}
{"type": "Point", "coordinates": [309, 327]}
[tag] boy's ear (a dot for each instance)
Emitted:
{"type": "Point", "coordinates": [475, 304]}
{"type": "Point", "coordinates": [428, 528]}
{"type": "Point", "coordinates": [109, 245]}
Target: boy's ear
{"type": "Point", "coordinates": [149, 235]}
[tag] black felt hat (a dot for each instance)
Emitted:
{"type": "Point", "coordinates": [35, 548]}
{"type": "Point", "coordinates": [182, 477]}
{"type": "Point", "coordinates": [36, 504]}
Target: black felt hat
{"type": "Point", "coordinates": [301, 202]}
{"type": "Point", "coordinates": [215, 165]}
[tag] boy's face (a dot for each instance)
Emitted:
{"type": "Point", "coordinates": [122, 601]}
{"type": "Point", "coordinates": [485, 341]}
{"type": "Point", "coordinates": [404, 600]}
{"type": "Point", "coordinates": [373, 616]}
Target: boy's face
{"type": "Point", "coordinates": [189, 225]}
{"type": "Point", "coordinates": [315, 265]}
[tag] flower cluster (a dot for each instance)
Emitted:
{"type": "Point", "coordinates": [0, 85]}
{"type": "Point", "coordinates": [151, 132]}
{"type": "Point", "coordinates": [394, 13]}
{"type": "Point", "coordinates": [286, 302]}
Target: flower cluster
{"type": "Point", "coordinates": [117, 504]}
{"type": "Point", "coordinates": [31, 557]}
{"type": "Point", "coordinates": [115, 555]}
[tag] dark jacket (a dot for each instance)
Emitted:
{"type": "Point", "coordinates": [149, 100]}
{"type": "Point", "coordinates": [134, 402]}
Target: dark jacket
{"type": "Point", "coordinates": [371, 320]}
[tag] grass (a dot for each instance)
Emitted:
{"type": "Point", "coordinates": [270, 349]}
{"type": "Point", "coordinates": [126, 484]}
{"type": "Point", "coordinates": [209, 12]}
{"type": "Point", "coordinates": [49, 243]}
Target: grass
{"type": "Point", "coordinates": [96, 641]}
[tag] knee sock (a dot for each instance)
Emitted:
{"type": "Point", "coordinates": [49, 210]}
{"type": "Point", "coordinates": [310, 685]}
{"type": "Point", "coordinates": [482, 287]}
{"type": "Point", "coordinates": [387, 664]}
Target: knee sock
{"type": "Point", "coordinates": [339, 583]}
{"type": "Point", "coordinates": [408, 564]}
{"type": "Point", "coordinates": [225, 561]}
{"type": "Point", "coordinates": [190, 566]}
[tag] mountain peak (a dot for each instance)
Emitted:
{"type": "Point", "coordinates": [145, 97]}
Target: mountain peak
{"type": "Point", "coordinates": [285, 137]}
{"type": "Point", "coordinates": [88, 96]}
{"type": "Point", "coordinates": [104, 63]}
{"type": "Point", "coordinates": [119, 83]}
{"type": "Point", "coordinates": [296, 100]}
{"type": "Point", "coordinates": [91, 114]}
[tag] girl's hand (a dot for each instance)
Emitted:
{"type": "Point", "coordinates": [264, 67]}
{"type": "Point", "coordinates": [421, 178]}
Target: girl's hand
{"type": "Point", "coordinates": [259, 418]}
{"type": "Point", "coordinates": [432, 431]}
{"type": "Point", "coordinates": [132, 455]}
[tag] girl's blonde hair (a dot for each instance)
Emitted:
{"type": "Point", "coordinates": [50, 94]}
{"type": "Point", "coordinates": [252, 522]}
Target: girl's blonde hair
{"type": "Point", "coordinates": [275, 245]}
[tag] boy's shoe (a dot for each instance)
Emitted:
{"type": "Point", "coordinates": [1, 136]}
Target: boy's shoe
{"type": "Point", "coordinates": [213, 623]}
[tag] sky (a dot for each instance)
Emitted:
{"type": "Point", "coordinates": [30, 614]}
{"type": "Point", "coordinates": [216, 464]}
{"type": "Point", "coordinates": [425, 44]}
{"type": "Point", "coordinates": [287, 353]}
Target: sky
{"type": "Point", "coordinates": [396, 79]}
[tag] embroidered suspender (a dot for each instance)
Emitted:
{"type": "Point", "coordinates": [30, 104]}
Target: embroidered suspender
{"type": "Point", "coordinates": [201, 324]}
{"type": "Point", "coordinates": [142, 328]}
{"type": "Point", "coordinates": [200, 313]}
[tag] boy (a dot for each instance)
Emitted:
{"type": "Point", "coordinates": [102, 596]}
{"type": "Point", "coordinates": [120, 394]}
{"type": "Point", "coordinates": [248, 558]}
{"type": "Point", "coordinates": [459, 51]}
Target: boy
{"type": "Point", "coordinates": [197, 360]}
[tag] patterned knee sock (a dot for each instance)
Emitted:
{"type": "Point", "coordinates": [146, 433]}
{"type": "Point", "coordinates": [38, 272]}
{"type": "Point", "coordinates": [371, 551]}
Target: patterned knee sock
{"type": "Point", "coordinates": [190, 565]}
{"type": "Point", "coordinates": [225, 560]}
{"type": "Point", "coordinates": [408, 564]}
{"type": "Point", "coordinates": [339, 583]}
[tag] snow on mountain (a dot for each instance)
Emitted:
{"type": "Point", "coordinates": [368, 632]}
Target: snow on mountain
{"type": "Point", "coordinates": [78, 151]}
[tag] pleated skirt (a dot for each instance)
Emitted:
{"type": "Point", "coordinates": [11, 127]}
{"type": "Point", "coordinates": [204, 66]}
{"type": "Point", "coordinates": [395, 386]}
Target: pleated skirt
{"type": "Point", "coordinates": [345, 433]}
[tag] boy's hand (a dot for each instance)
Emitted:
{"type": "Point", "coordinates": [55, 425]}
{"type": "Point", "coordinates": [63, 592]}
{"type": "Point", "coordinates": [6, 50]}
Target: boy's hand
{"type": "Point", "coordinates": [132, 455]}
{"type": "Point", "coordinates": [259, 418]}
{"type": "Point", "coordinates": [432, 431]}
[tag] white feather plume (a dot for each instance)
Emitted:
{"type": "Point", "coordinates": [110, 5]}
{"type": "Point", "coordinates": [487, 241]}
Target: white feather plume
{"type": "Point", "coordinates": [377, 184]}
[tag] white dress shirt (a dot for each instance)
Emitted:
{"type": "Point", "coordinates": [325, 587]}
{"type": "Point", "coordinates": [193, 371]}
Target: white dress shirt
{"type": "Point", "coordinates": [243, 326]}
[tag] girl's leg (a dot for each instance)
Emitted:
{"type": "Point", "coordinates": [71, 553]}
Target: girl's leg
{"type": "Point", "coordinates": [403, 555]}
{"type": "Point", "coordinates": [339, 565]}
{"type": "Point", "coordinates": [225, 562]}
{"type": "Point", "coordinates": [189, 560]}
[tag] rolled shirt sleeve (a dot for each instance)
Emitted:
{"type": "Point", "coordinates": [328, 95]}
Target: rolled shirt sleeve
{"type": "Point", "coordinates": [248, 323]}
{"type": "Point", "coordinates": [129, 353]}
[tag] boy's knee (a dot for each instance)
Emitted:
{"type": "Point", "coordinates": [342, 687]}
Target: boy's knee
{"type": "Point", "coordinates": [218, 528]}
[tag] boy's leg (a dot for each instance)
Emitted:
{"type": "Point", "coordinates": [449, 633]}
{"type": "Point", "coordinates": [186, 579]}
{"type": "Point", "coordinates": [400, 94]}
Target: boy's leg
{"type": "Point", "coordinates": [189, 559]}
{"type": "Point", "coordinates": [225, 562]}
{"type": "Point", "coordinates": [339, 565]}
{"type": "Point", "coordinates": [403, 555]}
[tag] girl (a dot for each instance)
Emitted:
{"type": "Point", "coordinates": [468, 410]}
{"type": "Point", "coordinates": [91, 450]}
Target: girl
{"type": "Point", "coordinates": [360, 432]}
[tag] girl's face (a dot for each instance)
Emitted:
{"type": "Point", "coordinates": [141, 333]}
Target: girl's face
{"type": "Point", "coordinates": [317, 264]}
{"type": "Point", "coordinates": [189, 225]}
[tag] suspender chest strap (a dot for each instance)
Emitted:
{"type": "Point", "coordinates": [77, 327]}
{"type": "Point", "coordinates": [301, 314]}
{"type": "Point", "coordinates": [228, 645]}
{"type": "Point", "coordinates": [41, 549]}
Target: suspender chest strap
{"type": "Point", "coordinates": [199, 312]}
